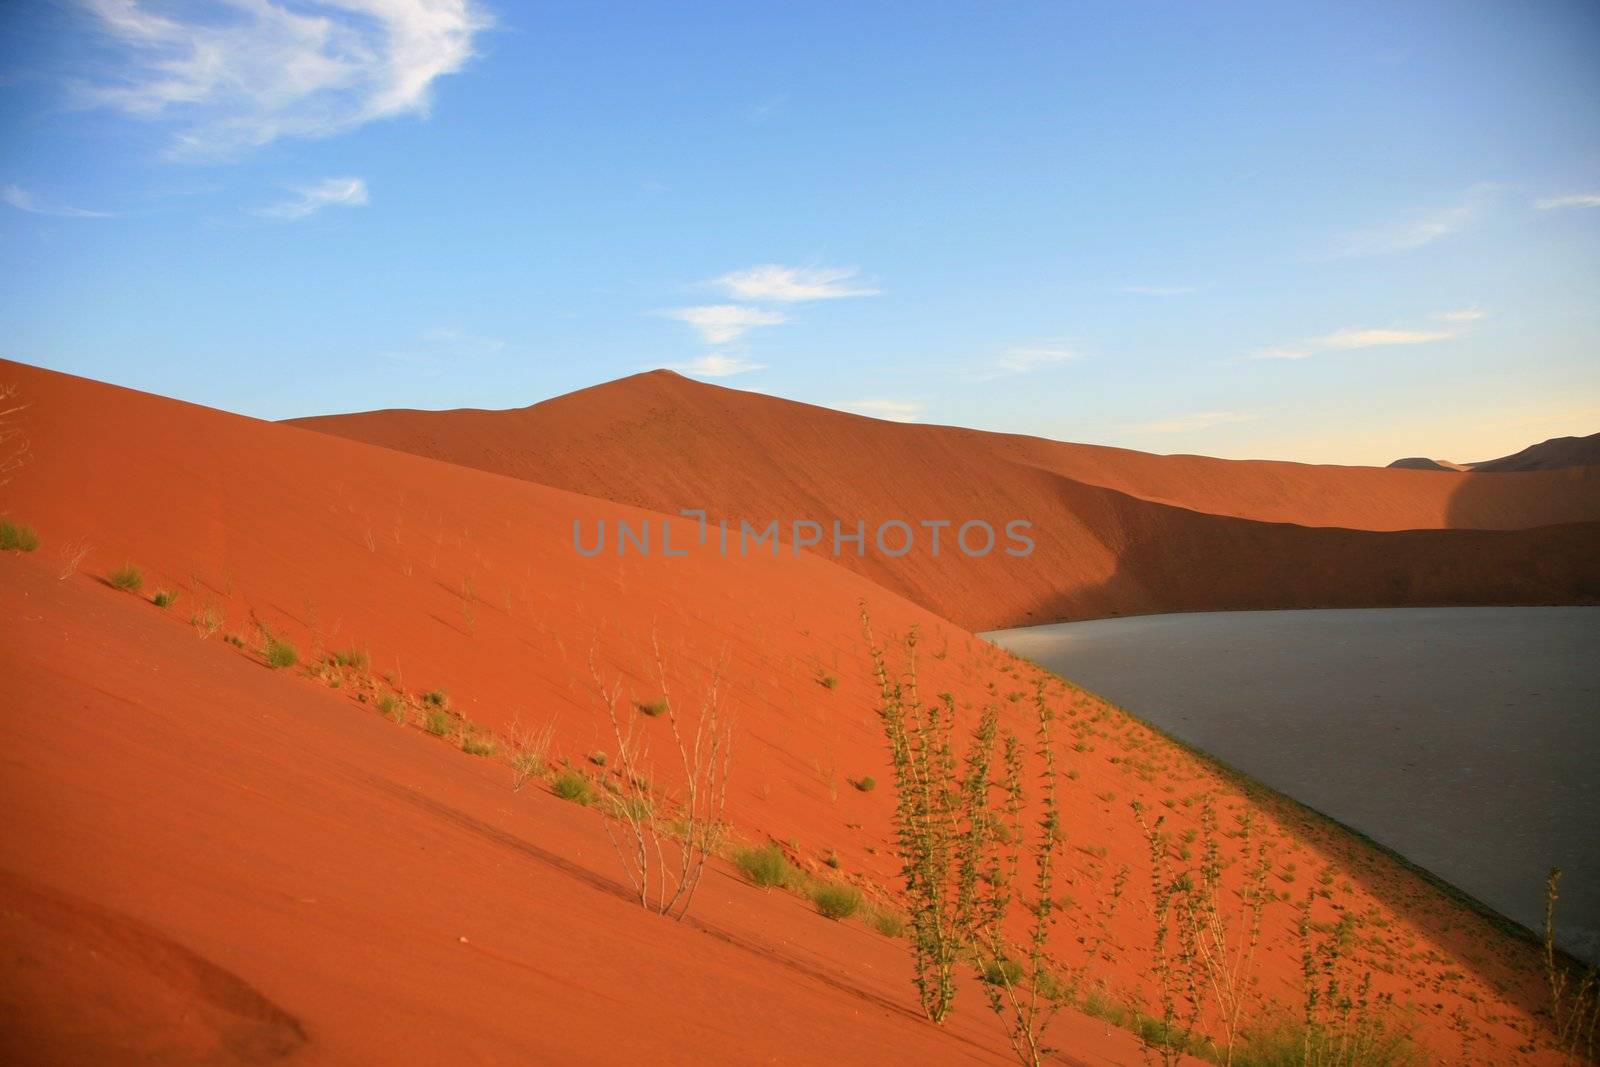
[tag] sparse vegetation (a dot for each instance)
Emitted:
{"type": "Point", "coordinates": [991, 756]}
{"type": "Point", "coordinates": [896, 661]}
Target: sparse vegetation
{"type": "Point", "coordinates": [280, 653]}
{"type": "Point", "coordinates": [886, 921]}
{"type": "Point", "coordinates": [827, 681]}
{"type": "Point", "coordinates": [1574, 995]}
{"type": "Point", "coordinates": [164, 598]}
{"type": "Point", "coordinates": [529, 751]}
{"type": "Point", "coordinates": [437, 722]}
{"type": "Point", "coordinates": [570, 785]}
{"type": "Point", "coordinates": [476, 744]}
{"type": "Point", "coordinates": [392, 707]}
{"type": "Point", "coordinates": [865, 784]}
{"type": "Point", "coordinates": [654, 708]}
{"type": "Point", "coordinates": [765, 865]}
{"type": "Point", "coordinates": [127, 578]}
{"type": "Point", "coordinates": [836, 900]}
{"type": "Point", "coordinates": [353, 658]}
{"type": "Point", "coordinates": [436, 698]}
{"type": "Point", "coordinates": [17, 537]}
{"type": "Point", "coordinates": [206, 621]}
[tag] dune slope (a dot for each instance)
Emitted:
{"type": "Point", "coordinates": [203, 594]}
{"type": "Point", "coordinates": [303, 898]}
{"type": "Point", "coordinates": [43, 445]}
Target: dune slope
{"type": "Point", "coordinates": [215, 861]}
{"type": "Point", "coordinates": [1116, 532]}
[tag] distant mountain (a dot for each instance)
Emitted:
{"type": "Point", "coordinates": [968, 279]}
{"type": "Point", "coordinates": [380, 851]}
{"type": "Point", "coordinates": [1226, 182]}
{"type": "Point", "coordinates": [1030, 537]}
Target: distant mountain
{"type": "Point", "coordinates": [1554, 454]}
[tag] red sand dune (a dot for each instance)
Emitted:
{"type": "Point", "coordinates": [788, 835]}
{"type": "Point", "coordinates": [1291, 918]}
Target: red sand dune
{"type": "Point", "coordinates": [212, 861]}
{"type": "Point", "coordinates": [1117, 532]}
{"type": "Point", "coordinates": [1558, 453]}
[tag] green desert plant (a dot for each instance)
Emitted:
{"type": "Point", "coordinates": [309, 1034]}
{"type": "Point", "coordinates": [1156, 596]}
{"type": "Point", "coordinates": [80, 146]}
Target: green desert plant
{"type": "Point", "coordinates": [654, 708]}
{"type": "Point", "coordinates": [765, 865]}
{"type": "Point", "coordinates": [475, 744]}
{"type": "Point", "coordinates": [437, 722]}
{"type": "Point", "coordinates": [827, 681]}
{"type": "Point", "coordinates": [529, 750]}
{"type": "Point", "coordinates": [1574, 994]}
{"type": "Point", "coordinates": [570, 785]}
{"type": "Point", "coordinates": [392, 707]}
{"type": "Point", "coordinates": [836, 900]}
{"type": "Point", "coordinates": [865, 783]}
{"type": "Point", "coordinates": [436, 698]}
{"type": "Point", "coordinates": [164, 598]}
{"type": "Point", "coordinates": [354, 658]}
{"type": "Point", "coordinates": [280, 653]}
{"type": "Point", "coordinates": [206, 621]}
{"type": "Point", "coordinates": [887, 921]}
{"type": "Point", "coordinates": [127, 578]}
{"type": "Point", "coordinates": [17, 537]}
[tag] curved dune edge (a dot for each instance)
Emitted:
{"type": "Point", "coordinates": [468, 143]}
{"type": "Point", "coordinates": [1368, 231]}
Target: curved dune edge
{"type": "Point", "coordinates": [333, 862]}
{"type": "Point", "coordinates": [1117, 532]}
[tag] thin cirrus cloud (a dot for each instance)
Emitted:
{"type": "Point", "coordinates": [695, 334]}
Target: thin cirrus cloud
{"type": "Point", "coordinates": [1556, 203]}
{"type": "Point", "coordinates": [1425, 228]}
{"type": "Point", "coordinates": [718, 324]}
{"type": "Point", "coordinates": [22, 200]}
{"type": "Point", "coordinates": [310, 199]}
{"type": "Point", "coordinates": [1352, 338]}
{"type": "Point", "coordinates": [1025, 359]}
{"type": "Point", "coordinates": [1199, 420]}
{"type": "Point", "coordinates": [251, 73]}
{"type": "Point", "coordinates": [889, 410]}
{"type": "Point", "coordinates": [716, 365]}
{"type": "Point", "coordinates": [773, 283]}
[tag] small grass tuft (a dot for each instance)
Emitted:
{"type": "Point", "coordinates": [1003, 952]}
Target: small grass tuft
{"type": "Point", "coordinates": [766, 866]}
{"type": "Point", "coordinates": [866, 783]}
{"type": "Point", "coordinates": [436, 698]}
{"type": "Point", "coordinates": [827, 681]}
{"type": "Point", "coordinates": [281, 653]}
{"type": "Point", "coordinates": [836, 900]}
{"type": "Point", "coordinates": [17, 537]}
{"type": "Point", "coordinates": [127, 578]}
{"type": "Point", "coordinates": [164, 598]}
{"type": "Point", "coordinates": [887, 922]}
{"type": "Point", "coordinates": [570, 785]}
{"type": "Point", "coordinates": [478, 745]}
{"type": "Point", "coordinates": [354, 658]}
{"type": "Point", "coordinates": [654, 708]}
{"type": "Point", "coordinates": [437, 723]}
{"type": "Point", "coordinates": [393, 707]}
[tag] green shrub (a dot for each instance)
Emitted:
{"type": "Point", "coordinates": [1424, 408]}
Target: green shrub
{"type": "Point", "coordinates": [836, 901]}
{"type": "Point", "coordinates": [597, 758]}
{"type": "Point", "coordinates": [392, 706]}
{"type": "Point", "coordinates": [765, 866]}
{"type": "Point", "coordinates": [281, 653]}
{"type": "Point", "coordinates": [436, 698]}
{"type": "Point", "coordinates": [827, 681]}
{"type": "Point", "coordinates": [570, 785]}
{"type": "Point", "coordinates": [654, 708]}
{"type": "Point", "coordinates": [866, 783]}
{"type": "Point", "coordinates": [350, 657]}
{"type": "Point", "coordinates": [1001, 972]}
{"type": "Point", "coordinates": [437, 723]}
{"type": "Point", "coordinates": [164, 598]}
{"type": "Point", "coordinates": [887, 922]}
{"type": "Point", "coordinates": [478, 745]}
{"type": "Point", "coordinates": [129, 578]}
{"type": "Point", "coordinates": [17, 537]}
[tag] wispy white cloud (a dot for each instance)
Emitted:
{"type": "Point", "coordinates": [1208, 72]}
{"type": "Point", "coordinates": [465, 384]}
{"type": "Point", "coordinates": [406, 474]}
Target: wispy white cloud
{"type": "Point", "coordinates": [1351, 338]}
{"type": "Point", "coordinates": [1381, 338]}
{"type": "Point", "coordinates": [1425, 228]}
{"type": "Point", "coordinates": [1024, 359]}
{"type": "Point", "coordinates": [1555, 203]}
{"type": "Point", "coordinates": [792, 285]}
{"type": "Point", "coordinates": [720, 323]}
{"type": "Point", "coordinates": [716, 365]}
{"type": "Point", "coordinates": [243, 74]}
{"type": "Point", "coordinates": [1199, 420]}
{"type": "Point", "coordinates": [310, 199]}
{"type": "Point", "coordinates": [22, 200]}
{"type": "Point", "coordinates": [889, 410]}
{"type": "Point", "coordinates": [1161, 290]}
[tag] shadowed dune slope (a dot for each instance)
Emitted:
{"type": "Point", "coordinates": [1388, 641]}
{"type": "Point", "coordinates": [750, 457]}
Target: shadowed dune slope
{"type": "Point", "coordinates": [213, 861]}
{"type": "Point", "coordinates": [1116, 532]}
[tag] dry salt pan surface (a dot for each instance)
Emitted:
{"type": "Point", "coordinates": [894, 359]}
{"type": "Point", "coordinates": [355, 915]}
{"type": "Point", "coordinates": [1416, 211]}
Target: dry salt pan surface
{"type": "Point", "coordinates": [1466, 739]}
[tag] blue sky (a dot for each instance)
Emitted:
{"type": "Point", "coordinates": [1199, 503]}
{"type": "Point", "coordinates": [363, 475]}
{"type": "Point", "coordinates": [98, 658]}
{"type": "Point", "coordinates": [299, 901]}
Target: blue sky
{"type": "Point", "coordinates": [1326, 232]}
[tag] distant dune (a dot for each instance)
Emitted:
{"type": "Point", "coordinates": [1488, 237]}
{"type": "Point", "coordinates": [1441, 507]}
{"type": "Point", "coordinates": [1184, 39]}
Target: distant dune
{"type": "Point", "coordinates": [1117, 532]}
{"type": "Point", "coordinates": [1558, 453]}
{"type": "Point", "coordinates": [212, 861]}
